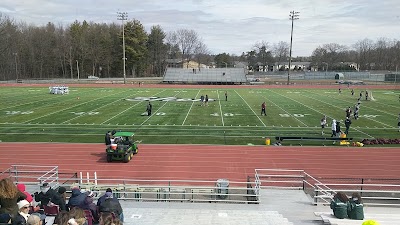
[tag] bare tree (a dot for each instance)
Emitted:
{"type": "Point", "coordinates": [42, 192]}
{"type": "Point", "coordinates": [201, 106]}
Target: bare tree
{"type": "Point", "coordinates": [201, 53]}
{"type": "Point", "coordinates": [280, 51]}
{"type": "Point", "coordinates": [187, 41]}
{"type": "Point", "coordinates": [364, 49]}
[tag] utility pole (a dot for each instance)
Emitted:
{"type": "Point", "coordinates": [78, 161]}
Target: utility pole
{"type": "Point", "coordinates": [16, 65]}
{"type": "Point", "coordinates": [123, 16]}
{"type": "Point", "coordinates": [292, 16]}
{"type": "Point", "coordinates": [77, 67]}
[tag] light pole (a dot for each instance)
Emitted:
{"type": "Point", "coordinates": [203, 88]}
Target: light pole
{"type": "Point", "coordinates": [292, 16]}
{"type": "Point", "coordinates": [16, 65]}
{"type": "Point", "coordinates": [123, 16]}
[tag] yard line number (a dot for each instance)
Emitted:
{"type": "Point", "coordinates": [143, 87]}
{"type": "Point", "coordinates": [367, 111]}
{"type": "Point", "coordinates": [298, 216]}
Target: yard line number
{"type": "Point", "coordinates": [18, 112]}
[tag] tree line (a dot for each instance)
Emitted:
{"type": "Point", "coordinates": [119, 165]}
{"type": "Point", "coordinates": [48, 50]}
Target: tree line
{"type": "Point", "coordinates": [89, 48]}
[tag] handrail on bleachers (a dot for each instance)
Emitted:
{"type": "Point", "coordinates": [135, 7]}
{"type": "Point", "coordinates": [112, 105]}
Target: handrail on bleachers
{"type": "Point", "coordinates": [384, 194]}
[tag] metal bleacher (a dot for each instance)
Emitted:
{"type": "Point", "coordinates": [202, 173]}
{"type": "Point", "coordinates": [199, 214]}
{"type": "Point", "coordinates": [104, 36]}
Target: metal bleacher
{"type": "Point", "coordinates": [205, 75]}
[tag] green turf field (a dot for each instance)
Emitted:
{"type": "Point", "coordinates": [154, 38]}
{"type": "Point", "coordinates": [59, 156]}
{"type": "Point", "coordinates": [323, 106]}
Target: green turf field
{"type": "Point", "coordinates": [34, 115]}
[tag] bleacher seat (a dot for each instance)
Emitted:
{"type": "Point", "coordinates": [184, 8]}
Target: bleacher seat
{"type": "Point", "coordinates": [211, 75]}
{"type": "Point", "coordinates": [383, 219]}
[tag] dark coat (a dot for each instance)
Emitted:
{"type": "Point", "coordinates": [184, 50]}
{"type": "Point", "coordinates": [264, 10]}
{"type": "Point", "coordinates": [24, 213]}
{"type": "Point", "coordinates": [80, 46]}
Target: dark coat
{"type": "Point", "coordinates": [77, 199]}
{"type": "Point", "coordinates": [45, 198]}
{"type": "Point", "coordinates": [9, 206]}
{"type": "Point", "coordinates": [101, 199]}
{"type": "Point", "coordinates": [59, 200]}
{"type": "Point", "coordinates": [111, 205]}
{"type": "Point", "coordinates": [18, 220]}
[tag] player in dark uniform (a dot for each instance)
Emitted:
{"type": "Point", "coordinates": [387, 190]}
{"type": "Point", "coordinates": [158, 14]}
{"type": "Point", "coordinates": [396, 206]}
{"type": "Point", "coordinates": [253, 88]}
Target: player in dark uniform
{"type": "Point", "coordinates": [263, 109]}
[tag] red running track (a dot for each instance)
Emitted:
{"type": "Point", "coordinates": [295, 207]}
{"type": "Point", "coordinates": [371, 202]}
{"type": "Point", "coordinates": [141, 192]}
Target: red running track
{"type": "Point", "coordinates": [206, 162]}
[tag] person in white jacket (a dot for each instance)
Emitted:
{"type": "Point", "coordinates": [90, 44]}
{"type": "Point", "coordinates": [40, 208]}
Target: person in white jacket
{"type": "Point", "coordinates": [333, 128]}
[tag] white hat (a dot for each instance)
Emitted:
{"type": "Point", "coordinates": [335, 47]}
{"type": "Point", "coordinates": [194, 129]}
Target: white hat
{"type": "Point", "coordinates": [22, 203]}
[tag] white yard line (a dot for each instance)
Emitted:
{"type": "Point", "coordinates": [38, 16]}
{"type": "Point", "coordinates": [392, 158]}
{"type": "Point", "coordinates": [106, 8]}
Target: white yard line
{"type": "Point", "coordinates": [187, 114]}
{"type": "Point", "coordinates": [251, 108]}
{"type": "Point", "coordinates": [220, 109]}
{"type": "Point", "coordinates": [67, 108]}
{"type": "Point", "coordinates": [112, 102]}
{"type": "Point", "coordinates": [157, 109]}
{"type": "Point", "coordinates": [318, 111]}
{"type": "Point", "coordinates": [268, 99]}
{"type": "Point", "coordinates": [363, 105]}
{"type": "Point", "coordinates": [126, 110]}
{"type": "Point", "coordinates": [341, 108]}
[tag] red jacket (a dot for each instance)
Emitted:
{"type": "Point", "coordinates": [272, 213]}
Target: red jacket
{"type": "Point", "coordinates": [22, 188]}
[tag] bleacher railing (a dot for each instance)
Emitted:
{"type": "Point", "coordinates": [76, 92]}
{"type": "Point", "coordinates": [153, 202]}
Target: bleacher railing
{"type": "Point", "coordinates": [137, 189]}
{"type": "Point", "coordinates": [384, 193]}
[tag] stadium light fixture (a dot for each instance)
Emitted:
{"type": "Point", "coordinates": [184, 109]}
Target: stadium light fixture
{"type": "Point", "coordinates": [123, 16]}
{"type": "Point", "coordinates": [292, 16]}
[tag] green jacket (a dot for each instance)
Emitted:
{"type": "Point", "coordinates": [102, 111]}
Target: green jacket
{"type": "Point", "coordinates": [339, 208]}
{"type": "Point", "coordinates": [356, 210]}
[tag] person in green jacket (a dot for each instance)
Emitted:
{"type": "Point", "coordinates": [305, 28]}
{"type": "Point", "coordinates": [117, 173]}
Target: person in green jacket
{"type": "Point", "coordinates": [356, 207]}
{"type": "Point", "coordinates": [339, 205]}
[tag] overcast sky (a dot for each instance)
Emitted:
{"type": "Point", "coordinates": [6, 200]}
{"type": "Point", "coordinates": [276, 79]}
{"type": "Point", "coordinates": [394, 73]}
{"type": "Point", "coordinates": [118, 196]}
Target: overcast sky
{"type": "Point", "coordinates": [231, 26]}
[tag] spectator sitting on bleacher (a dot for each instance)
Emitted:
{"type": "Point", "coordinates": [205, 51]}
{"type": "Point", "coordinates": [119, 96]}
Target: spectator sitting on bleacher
{"type": "Point", "coordinates": [9, 196]}
{"type": "Point", "coordinates": [103, 197]}
{"type": "Point", "coordinates": [22, 188]}
{"type": "Point", "coordinates": [89, 205]}
{"type": "Point", "coordinates": [61, 218]}
{"type": "Point", "coordinates": [77, 198]}
{"type": "Point", "coordinates": [60, 198]}
{"type": "Point", "coordinates": [339, 205]}
{"type": "Point", "coordinates": [78, 215]}
{"type": "Point", "coordinates": [112, 205]}
{"type": "Point", "coordinates": [23, 213]}
{"type": "Point", "coordinates": [45, 195]}
{"type": "Point", "coordinates": [34, 220]}
{"type": "Point", "coordinates": [107, 218]}
{"type": "Point", "coordinates": [356, 207]}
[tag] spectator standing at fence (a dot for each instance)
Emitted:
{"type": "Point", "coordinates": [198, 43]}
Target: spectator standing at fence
{"type": "Point", "coordinates": [323, 124]}
{"type": "Point", "coordinates": [9, 196]}
{"type": "Point", "coordinates": [338, 129]}
{"type": "Point", "coordinates": [356, 207]}
{"type": "Point", "coordinates": [398, 122]}
{"type": "Point", "coordinates": [333, 128]}
{"type": "Point", "coordinates": [339, 205]}
{"type": "Point", "coordinates": [347, 123]}
{"type": "Point", "coordinates": [263, 109]}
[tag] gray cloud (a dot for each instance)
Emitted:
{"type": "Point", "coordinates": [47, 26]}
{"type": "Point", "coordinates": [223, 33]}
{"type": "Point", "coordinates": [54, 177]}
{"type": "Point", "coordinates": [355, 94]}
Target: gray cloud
{"type": "Point", "coordinates": [231, 26]}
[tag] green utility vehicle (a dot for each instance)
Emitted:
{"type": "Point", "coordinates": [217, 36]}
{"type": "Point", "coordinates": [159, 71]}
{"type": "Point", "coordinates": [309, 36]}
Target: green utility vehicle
{"type": "Point", "coordinates": [122, 148]}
